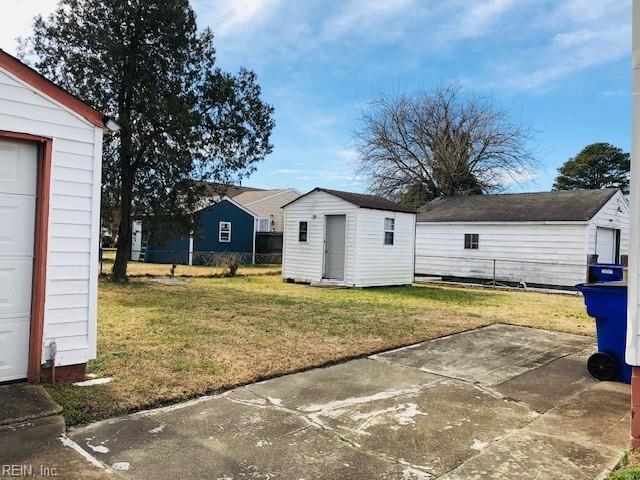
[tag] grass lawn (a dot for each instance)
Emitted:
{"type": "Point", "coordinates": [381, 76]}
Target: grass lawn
{"type": "Point", "coordinates": [629, 468]}
{"type": "Point", "coordinates": [139, 269]}
{"type": "Point", "coordinates": [165, 340]}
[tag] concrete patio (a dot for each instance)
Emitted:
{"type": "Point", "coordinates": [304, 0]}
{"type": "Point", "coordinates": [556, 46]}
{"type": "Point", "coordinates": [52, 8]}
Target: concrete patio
{"type": "Point", "coordinates": [497, 402]}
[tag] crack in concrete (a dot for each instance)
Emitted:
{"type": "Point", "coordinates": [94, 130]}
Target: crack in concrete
{"type": "Point", "coordinates": [484, 388]}
{"type": "Point", "coordinates": [321, 425]}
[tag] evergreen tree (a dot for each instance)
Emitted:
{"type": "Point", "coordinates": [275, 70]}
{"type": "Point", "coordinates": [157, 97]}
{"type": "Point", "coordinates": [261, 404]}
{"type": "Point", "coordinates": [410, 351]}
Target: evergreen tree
{"type": "Point", "coordinates": [183, 120]}
{"type": "Point", "coordinates": [599, 165]}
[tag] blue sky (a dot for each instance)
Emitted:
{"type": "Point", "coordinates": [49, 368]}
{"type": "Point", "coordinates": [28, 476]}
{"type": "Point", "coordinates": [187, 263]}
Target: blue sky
{"type": "Point", "coordinates": [562, 66]}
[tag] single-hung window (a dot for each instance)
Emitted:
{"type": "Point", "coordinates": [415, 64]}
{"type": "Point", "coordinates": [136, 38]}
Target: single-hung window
{"type": "Point", "coordinates": [471, 241]}
{"type": "Point", "coordinates": [263, 224]}
{"type": "Point", "coordinates": [389, 228]}
{"type": "Point", "coordinates": [224, 232]}
{"type": "Point", "coordinates": [302, 231]}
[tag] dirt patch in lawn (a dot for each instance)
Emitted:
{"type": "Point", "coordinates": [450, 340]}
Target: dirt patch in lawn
{"type": "Point", "coordinates": [163, 343]}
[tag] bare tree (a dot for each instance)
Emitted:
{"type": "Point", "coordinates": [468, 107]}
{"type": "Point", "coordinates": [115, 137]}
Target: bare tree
{"type": "Point", "coordinates": [420, 146]}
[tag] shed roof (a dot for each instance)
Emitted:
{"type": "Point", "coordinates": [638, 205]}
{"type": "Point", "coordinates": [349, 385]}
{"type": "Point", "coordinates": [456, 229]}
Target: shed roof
{"type": "Point", "coordinates": [361, 200]}
{"type": "Point", "coordinates": [573, 205]}
{"type": "Point", "coordinates": [56, 92]}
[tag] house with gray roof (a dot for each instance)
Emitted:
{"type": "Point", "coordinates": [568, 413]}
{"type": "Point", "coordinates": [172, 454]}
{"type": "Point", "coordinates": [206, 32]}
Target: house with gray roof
{"type": "Point", "coordinates": [543, 238]}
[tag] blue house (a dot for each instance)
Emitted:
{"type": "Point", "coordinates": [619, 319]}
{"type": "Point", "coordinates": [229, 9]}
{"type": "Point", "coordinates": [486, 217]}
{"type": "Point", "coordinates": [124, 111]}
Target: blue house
{"type": "Point", "coordinates": [225, 226]}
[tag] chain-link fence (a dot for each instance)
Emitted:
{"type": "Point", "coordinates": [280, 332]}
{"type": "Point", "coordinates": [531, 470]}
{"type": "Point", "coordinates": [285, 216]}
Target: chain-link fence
{"type": "Point", "coordinates": [181, 263]}
{"type": "Point", "coordinates": [508, 271]}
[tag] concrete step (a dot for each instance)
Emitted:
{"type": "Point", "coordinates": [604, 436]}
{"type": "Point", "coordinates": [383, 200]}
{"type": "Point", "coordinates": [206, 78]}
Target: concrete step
{"type": "Point", "coordinates": [20, 440]}
{"type": "Point", "coordinates": [20, 402]}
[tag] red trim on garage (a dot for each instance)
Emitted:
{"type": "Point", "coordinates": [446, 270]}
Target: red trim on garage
{"type": "Point", "coordinates": [40, 248]}
{"type": "Point", "coordinates": [59, 94]}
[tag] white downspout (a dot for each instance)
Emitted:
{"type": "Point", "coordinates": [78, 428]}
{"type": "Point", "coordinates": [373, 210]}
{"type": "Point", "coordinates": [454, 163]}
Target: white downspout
{"type": "Point", "coordinates": [634, 240]}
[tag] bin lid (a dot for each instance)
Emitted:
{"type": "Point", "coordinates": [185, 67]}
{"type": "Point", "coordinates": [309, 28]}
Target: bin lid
{"type": "Point", "coordinates": [615, 284]}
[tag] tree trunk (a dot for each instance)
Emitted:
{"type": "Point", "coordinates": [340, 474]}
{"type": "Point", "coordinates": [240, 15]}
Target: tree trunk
{"type": "Point", "coordinates": [123, 252]}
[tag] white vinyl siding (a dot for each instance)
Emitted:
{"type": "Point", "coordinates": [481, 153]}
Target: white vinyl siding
{"type": "Point", "coordinates": [71, 284]}
{"type": "Point", "coordinates": [304, 261]}
{"type": "Point", "coordinates": [368, 262]}
{"type": "Point", "coordinates": [553, 254]}
{"type": "Point", "coordinates": [378, 264]}
{"type": "Point", "coordinates": [615, 214]}
{"type": "Point", "coordinates": [269, 207]}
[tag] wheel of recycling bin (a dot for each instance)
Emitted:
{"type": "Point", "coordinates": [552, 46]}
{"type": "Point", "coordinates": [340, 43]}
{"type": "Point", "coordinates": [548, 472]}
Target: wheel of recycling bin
{"type": "Point", "coordinates": [602, 366]}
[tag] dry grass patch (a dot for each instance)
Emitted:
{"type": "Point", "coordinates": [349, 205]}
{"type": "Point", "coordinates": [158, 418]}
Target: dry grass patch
{"type": "Point", "coordinates": [167, 342]}
{"type": "Point", "coordinates": [139, 269]}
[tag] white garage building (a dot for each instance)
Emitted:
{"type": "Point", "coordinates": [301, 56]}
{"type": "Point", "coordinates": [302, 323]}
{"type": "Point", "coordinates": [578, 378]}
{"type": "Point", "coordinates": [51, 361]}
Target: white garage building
{"type": "Point", "coordinates": [347, 239]}
{"type": "Point", "coordinates": [532, 238]}
{"type": "Point", "coordinates": [50, 167]}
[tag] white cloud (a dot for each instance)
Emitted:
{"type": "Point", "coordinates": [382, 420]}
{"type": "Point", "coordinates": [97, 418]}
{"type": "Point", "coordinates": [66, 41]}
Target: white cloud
{"type": "Point", "coordinates": [17, 19]}
{"type": "Point", "coordinates": [570, 53]}
{"type": "Point", "coordinates": [311, 174]}
{"type": "Point", "coordinates": [232, 18]}
{"type": "Point", "coordinates": [575, 11]}
{"type": "Point", "coordinates": [348, 154]}
{"type": "Point", "coordinates": [357, 16]}
{"type": "Point", "coordinates": [478, 18]}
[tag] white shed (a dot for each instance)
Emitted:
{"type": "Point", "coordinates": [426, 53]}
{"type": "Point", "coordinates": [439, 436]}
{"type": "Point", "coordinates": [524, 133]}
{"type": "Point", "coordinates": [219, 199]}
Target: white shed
{"type": "Point", "coordinates": [533, 238]}
{"type": "Point", "coordinates": [50, 167]}
{"type": "Point", "coordinates": [348, 239]}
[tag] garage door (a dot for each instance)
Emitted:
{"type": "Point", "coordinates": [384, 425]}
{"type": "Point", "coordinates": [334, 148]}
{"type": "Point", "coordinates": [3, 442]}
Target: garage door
{"type": "Point", "coordinates": [605, 244]}
{"type": "Point", "coordinates": [18, 180]}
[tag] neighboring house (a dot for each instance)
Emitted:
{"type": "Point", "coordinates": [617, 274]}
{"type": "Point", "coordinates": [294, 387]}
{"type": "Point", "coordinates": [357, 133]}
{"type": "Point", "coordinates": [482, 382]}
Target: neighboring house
{"type": "Point", "coordinates": [214, 192]}
{"type": "Point", "coordinates": [50, 167]}
{"type": "Point", "coordinates": [264, 205]}
{"type": "Point", "coordinates": [225, 226]}
{"type": "Point", "coordinates": [267, 205]}
{"type": "Point", "coordinates": [348, 239]}
{"type": "Point", "coordinates": [534, 238]}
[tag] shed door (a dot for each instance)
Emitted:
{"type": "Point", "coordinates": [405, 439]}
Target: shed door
{"type": "Point", "coordinates": [605, 244]}
{"type": "Point", "coordinates": [136, 240]}
{"type": "Point", "coordinates": [18, 184]}
{"type": "Point", "coordinates": [334, 247]}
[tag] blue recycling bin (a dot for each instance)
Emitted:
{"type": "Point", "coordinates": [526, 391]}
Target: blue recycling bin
{"type": "Point", "coordinates": [605, 272]}
{"type": "Point", "coordinates": [607, 303]}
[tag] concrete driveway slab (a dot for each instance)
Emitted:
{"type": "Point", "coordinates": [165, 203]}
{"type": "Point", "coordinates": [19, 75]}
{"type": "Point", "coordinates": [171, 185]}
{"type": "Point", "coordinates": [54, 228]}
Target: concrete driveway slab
{"type": "Point", "coordinates": [497, 402]}
{"type": "Point", "coordinates": [436, 428]}
{"type": "Point", "coordinates": [529, 455]}
{"type": "Point", "coordinates": [599, 415]}
{"type": "Point", "coordinates": [544, 387]}
{"type": "Point", "coordinates": [488, 355]}
{"type": "Point", "coordinates": [358, 379]}
{"type": "Point", "coordinates": [35, 448]}
{"type": "Point", "coordinates": [229, 438]}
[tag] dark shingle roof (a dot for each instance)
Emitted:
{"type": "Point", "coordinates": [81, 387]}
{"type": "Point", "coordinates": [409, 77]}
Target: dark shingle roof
{"type": "Point", "coordinates": [361, 200]}
{"type": "Point", "coordinates": [574, 205]}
